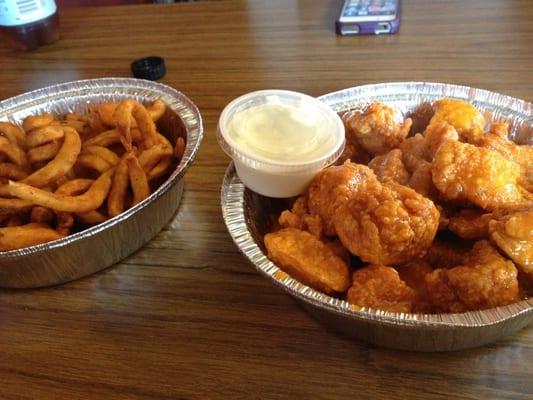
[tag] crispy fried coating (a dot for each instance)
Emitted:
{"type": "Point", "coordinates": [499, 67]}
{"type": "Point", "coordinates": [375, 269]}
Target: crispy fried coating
{"type": "Point", "coordinates": [380, 287]}
{"type": "Point", "coordinates": [435, 134]}
{"type": "Point", "coordinates": [352, 149]}
{"type": "Point", "coordinates": [386, 223]}
{"type": "Point", "coordinates": [470, 224]}
{"type": "Point", "coordinates": [513, 234]}
{"type": "Point", "coordinates": [418, 152]}
{"type": "Point", "coordinates": [481, 176]}
{"type": "Point", "coordinates": [308, 260]}
{"type": "Point", "coordinates": [464, 117]}
{"type": "Point", "coordinates": [376, 128]}
{"type": "Point", "coordinates": [416, 159]}
{"type": "Point", "coordinates": [421, 180]}
{"type": "Point", "coordinates": [522, 155]}
{"type": "Point", "coordinates": [334, 186]}
{"type": "Point", "coordinates": [298, 217]}
{"type": "Point", "coordinates": [483, 280]}
{"type": "Point", "coordinates": [390, 166]}
{"type": "Point", "coordinates": [413, 151]}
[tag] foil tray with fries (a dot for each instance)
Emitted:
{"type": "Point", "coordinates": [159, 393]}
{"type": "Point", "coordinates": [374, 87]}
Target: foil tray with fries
{"type": "Point", "coordinates": [136, 205]}
{"type": "Point", "coordinates": [250, 216]}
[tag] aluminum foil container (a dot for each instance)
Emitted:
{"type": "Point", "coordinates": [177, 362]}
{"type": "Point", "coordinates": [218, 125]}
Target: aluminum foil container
{"type": "Point", "coordinates": [249, 216]}
{"type": "Point", "coordinates": [102, 245]}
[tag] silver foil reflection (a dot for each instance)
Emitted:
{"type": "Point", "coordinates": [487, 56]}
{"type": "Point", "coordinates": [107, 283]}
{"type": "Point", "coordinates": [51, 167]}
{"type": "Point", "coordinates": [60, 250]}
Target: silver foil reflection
{"type": "Point", "coordinates": [248, 216]}
{"type": "Point", "coordinates": [102, 245]}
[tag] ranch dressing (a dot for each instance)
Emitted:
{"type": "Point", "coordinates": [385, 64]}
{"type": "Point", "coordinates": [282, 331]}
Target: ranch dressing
{"type": "Point", "coordinates": [281, 132]}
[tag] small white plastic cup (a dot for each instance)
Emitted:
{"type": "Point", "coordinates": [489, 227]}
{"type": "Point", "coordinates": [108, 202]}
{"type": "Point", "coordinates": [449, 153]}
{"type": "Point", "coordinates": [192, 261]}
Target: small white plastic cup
{"type": "Point", "coordinates": [274, 177]}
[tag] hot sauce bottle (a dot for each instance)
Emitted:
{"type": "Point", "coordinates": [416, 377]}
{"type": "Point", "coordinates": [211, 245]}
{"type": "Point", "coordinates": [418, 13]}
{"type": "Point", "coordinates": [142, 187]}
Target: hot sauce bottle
{"type": "Point", "coordinates": [28, 24]}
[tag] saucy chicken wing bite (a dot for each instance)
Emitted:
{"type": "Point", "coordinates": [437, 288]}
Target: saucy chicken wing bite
{"type": "Point", "coordinates": [390, 166]}
{"type": "Point", "coordinates": [463, 172]}
{"type": "Point", "coordinates": [376, 128]}
{"type": "Point", "coordinates": [464, 117]}
{"type": "Point", "coordinates": [513, 234]}
{"type": "Point", "coordinates": [386, 223]}
{"type": "Point", "coordinates": [332, 187]}
{"type": "Point", "coordinates": [308, 260]}
{"type": "Point", "coordinates": [380, 287]}
{"type": "Point", "coordinates": [497, 140]}
{"type": "Point", "coordinates": [298, 217]}
{"type": "Point", "coordinates": [483, 280]}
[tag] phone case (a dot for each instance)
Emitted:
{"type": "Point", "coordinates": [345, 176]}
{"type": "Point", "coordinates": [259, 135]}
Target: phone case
{"type": "Point", "coordinates": [364, 26]}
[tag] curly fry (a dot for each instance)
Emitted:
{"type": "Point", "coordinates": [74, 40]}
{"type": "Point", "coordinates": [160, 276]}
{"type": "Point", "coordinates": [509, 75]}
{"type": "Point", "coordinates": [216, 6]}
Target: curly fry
{"type": "Point", "coordinates": [37, 121]}
{"type": "Point", "coordinates": [105, 112]}
{"type": "Point", "coordinates": [62, 162]}
{"type": "Point", "coordinates": [156, 109]}
{"type": "Point", "coordinates": [79, 126]}
{"type": "Point", "coordinates": [138, 180]}
{"type": "Point", "coordinates": [146, 125]}
{"type": "Point", "coordinates": [160, 169]}
{"type": "Point", "coordinates": [93, 162]}
{"type": "Point", "coordinates": [102, 152]}
{"type": "Point", "coordinates": [65, 221]}
{"type": "Point", "coordinates": [110, 137]}
{"type": "Point", "coordinates": [44, 135]}
{"type": "Point", "coordinates": [13, 133]}
{"type": "Point", "coordinates": [117, 194]}
{"type": "Point", "coordinates": [91, 217]}
{"type": "Point", "coordinates": [12, 206]}
{"type": "Point", "coordinates": [44, 152]}
{"type": "Point", "coordinates": [74, 186]}
{"type": "Point", "coordinates": [13, 152]}
{"type": "Point", "coordinates": [12, 171]}
{"type": "Point", "coordinates": [88, 201]}
{"type": "Point", "coordinates": [152, 156]}
{"type": "Point", "coordinates": [15, 237]}
{"type": "Point", "coordinates": [78, 186]}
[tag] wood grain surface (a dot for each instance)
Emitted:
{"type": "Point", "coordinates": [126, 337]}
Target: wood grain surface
{"type": "Point", "coordinates": [187, 317]}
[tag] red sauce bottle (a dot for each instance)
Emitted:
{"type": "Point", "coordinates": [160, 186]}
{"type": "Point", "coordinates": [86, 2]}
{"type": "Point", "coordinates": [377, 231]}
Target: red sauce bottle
{"type": "Point", "coordinates": [28, 24]}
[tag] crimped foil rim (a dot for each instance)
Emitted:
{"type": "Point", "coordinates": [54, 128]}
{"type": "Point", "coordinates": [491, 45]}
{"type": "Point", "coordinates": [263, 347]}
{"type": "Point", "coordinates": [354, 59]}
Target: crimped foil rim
{"type": "Point", "coordinates": [176, 101]}
{"type": "Point", "coordinates": [232, 202]}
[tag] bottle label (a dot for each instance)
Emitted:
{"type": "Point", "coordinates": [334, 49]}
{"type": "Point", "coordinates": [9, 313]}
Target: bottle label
{"type": "Point", "coordinates": [20, 12]}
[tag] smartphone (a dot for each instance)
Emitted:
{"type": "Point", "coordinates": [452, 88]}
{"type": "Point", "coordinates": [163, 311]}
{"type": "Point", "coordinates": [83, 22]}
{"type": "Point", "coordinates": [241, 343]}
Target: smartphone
{"type": "Point", "coordinates": [369, 17]}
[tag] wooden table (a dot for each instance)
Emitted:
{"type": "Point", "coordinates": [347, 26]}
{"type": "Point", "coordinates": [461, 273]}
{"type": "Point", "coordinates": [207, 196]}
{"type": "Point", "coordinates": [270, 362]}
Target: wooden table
{"type": "Point", "coordinates": [187, 316]}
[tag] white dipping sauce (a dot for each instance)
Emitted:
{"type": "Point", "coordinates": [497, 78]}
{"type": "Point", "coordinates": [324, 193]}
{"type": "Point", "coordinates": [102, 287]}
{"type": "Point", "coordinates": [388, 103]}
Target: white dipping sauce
{"type": "Point", "coordinates": [282, 132]}
{"type": "Point", "coordinates": [279, 140]}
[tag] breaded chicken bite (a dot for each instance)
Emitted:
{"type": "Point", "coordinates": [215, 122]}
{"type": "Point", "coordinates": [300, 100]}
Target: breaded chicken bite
{"type": "Point", "coordinates": [390, 166]}
{"type": "Point", "coordinates": [333, 186]}
{"type": "Point", "coordinates": [464, 117]}
{"type": "Point", "coordinates": [522, 155]}
{"type": "Point", "coordinates": [483, 280]}
{"type": "Point", "coordinates": [464, 172]}
{"type": "Point", "coordinates": [380, 287]}
{"type": "Point", "coordinates": [513, 234]}
{"type": "Point", "coordinates": [386, 223]}
{"type": "Point", "coordinates": [308, 260]}
{"type": "Point", "coordinates": [376, 128]}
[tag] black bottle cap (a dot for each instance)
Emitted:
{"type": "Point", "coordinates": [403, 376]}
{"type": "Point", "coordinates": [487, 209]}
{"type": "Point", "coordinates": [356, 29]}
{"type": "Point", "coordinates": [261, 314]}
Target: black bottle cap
{"type": "Point", "coordinates": [151, 68]}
